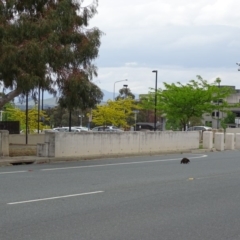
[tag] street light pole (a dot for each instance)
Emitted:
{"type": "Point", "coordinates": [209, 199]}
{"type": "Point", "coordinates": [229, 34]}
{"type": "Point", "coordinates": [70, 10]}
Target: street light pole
{"type": "Point", "coordinates": [135, 117]}
{"type": "Point", "coordinates": [218, 81]}
{"type": "Point", "coordinates": [114, 87]}
{"type": "Point", "coordinates": [218, 108]}
{"type": "Point", "coordinates": [155, 110]}
{"type": "Point", "coordinates": [81, 116]}
{"type": "Point", "coordinates": [27, 118]}
{"type": "Point", "coordinates": [38, 106]}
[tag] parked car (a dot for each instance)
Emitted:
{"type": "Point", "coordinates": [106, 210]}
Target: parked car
{"type": "Point", "coordinates": [82, 129]}
{"type": "Point", "coordinates": [48, 130]}
{"type": "Point", "coordinates": [107, 128]}
{"type": "Point", "coordinates": [29, 131]}
{"type": "Point", "coordinates": [199, 128]}
{"type": "Point", "coordinates": [66, 129]}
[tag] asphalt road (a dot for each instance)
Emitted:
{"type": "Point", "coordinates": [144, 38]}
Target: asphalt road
{"type": "Point", "coordinates": [148, 198]}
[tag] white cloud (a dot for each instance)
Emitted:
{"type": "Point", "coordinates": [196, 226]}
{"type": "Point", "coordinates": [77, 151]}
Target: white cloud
{"type": "Point", "coordinates": [131, 64]}
{"type": "Point", "coordinates": [152, 13]}
{"type": "Point", "coordinates": [180, 38]}
{"type": "Point", "coordinates": [140, 80]}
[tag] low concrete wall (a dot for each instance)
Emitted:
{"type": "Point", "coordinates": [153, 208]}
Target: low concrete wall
{"type": "Point", "coordinates": [229, 141]}
{"type": "Point", "coordinates": [4, 143]}
{"type": "Point", "coordinates": [16, 150]}
{"type": "Point", "coordinates": [232, 130]}
{"type": "Point", "coordinates": [207, 139]}
{"type": "Point", "coordinates": [237, 143]}
{"type": "Point", "coordinates": [219, 141]}
{"type": "Point", "coordinates": [33, 139]}
{"type": "Point", "coordinates": [111, 144]}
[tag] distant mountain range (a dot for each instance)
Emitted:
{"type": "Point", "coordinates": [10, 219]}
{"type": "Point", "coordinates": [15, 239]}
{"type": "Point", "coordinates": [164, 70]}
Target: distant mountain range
{"type": "Point", "coordinates": [52, 101]}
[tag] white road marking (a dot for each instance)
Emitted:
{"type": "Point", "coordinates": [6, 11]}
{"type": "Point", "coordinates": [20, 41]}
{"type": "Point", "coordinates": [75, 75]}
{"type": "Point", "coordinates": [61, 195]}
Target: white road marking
{"type": "Point", "coordinates": [12, 172]}
{"type": "Point", "coordinates": [52, 198]}
{"type": "Point", "coordinates": [117, 164]}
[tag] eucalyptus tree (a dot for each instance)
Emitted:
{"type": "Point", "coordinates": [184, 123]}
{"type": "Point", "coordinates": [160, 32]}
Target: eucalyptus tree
{"type": "Point", "coordinates": [79, 93]}
{"type": "Point", "coordinates": [43, 43]}
{"type": "Point", "coordinates": [125, 92]}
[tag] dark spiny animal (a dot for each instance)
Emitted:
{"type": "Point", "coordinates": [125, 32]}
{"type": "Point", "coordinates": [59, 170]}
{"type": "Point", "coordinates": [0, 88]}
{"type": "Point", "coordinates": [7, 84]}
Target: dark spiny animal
{"type": "Point", "coordinates": [185, 161]}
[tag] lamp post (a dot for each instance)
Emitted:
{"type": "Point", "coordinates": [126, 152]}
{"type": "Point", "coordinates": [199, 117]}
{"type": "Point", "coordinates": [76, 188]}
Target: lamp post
{"type": "Point", "coordinates": [42, 98]}
{"type": "Point", "coordinates": [38, 106]}
{"type": "Point", "coordinates": [27, 118]}
{"type": "Point", "coordinates": [155, 110]}
{"type": "Point", "coordinates": [81, 116]}
{"type": "Point", "coordinates": [135, 118]}
{"type": "Point", "coordinates": [218, 81]}
{"type": "Point", "coordinates": [114, 86]}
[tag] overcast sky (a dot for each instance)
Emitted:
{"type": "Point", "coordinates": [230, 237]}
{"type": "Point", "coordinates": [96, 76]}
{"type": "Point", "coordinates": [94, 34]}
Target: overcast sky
{"type": "Point", "coordinates": [179, 38]}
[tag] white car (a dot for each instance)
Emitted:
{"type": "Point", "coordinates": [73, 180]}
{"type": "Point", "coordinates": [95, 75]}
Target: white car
{"type": "Point", "coordinates": [82, 129]}
{"type": "Point", "coordinates": [66, 129]}
{"type": "Point", "coordinates": [107, 128]}
{"type": "Point", "coordinates": [200, 128]}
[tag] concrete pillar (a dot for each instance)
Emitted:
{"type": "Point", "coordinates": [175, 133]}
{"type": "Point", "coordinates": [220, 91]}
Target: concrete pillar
{"type": "Point", "coordinates": [219, 141]}
{"type": "Point", "coordinates": [237, 144]}
{"type": "Point", "coordinates": [4, 143]}
{"type": "Point", "coordinates": [229, 141]}
{"type": "Point", "coordinates": [207, 139]}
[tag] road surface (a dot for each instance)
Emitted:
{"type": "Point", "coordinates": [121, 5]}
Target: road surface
{"type": "Point", "coordinates": [148, 198]}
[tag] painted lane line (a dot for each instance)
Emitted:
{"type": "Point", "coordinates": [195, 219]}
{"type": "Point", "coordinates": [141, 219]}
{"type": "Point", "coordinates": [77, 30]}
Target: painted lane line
{"type": "Point", "coordinates": [12, 172]}
{"type": "Point", "coordinates": [218, 175]}
{"type": "Point", "coordinates": [117, 164]}
{"type": "Point", "coordinates": [52, 198]}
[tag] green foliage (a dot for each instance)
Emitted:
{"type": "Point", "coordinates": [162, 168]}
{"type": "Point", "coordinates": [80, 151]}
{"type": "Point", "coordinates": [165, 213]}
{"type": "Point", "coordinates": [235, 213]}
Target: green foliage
{"type": "Point", "coordinates": [78, 92]}
{"type": "Point", "coordinates": [16, 114]}
{"type": "Point", "coordinates": [44, 43]}
{"type": "Point", "coordinates": [59, 116]}
{"type": "Point", "coordinates": [173, 124]}
{"type": "Point", "coordinates": [196, 121]}
{"type": "Point", "coordinates": [182, 102]}
{"type": "Point", "coordinates": [114, 112]}
{"type": "Point", "coordinates": [229, 119]}
{"type": "Point", "coordinates": [125, 93]}
{"type": "Point", "coordinates": [6, 114]}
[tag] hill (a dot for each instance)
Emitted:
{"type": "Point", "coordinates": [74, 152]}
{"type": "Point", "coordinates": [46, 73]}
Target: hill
{"type": "Point", "coordinates": [52, 101]}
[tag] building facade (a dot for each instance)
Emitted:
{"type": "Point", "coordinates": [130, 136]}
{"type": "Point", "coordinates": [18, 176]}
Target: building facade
{"type": "Point", "coordinates": [214, 120]}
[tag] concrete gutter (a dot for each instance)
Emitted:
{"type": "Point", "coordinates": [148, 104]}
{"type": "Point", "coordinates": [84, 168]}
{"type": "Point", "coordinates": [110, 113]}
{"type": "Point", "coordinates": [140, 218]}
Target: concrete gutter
{"type": "Point", "coordinates": [9, 161]}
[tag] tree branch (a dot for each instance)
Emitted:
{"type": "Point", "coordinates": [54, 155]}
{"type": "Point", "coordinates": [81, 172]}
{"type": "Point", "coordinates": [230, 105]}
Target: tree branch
{"type": "Point", "coordinates": [9, 97]}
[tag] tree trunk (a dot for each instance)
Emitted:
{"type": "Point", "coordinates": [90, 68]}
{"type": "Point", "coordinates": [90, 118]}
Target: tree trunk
{"type": "Point", "coordinates": [9, 97]}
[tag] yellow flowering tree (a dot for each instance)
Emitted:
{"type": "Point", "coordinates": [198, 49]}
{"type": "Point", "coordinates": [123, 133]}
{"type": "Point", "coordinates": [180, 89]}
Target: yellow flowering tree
{"type": "Point", "coordinates": [16, 114]}
{"type": "Point", "coordinates": [115, 113]}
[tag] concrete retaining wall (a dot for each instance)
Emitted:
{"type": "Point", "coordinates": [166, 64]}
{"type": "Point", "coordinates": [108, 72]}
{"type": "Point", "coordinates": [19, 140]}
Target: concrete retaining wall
{"type": "Point", "coordinates": [4, 143]}
{"type": "Point", "coordinates": [106, 143]}
{"type": "Point", "coordinates": [33, 139]}
{"type": "Point", "coordinates": [232, 130]}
